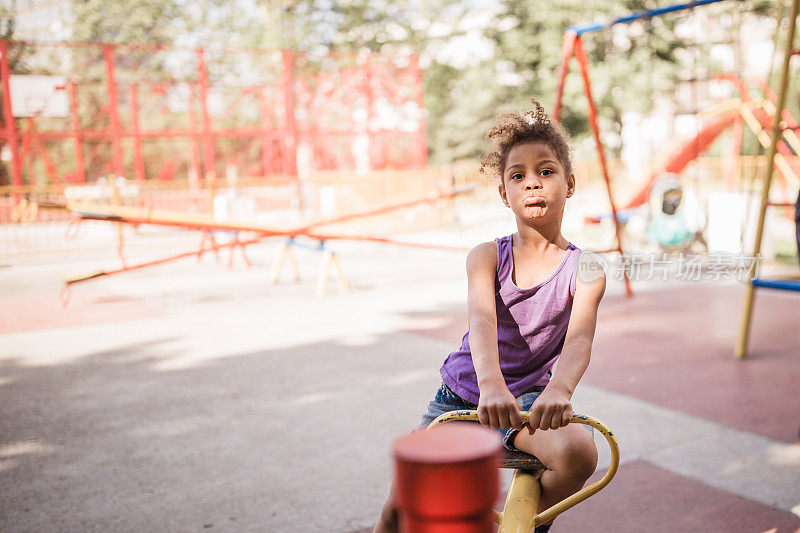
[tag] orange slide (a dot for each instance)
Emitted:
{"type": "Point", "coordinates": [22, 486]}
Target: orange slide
{"type": "Point", "coordinates": [693, 147]}
{"type": "Point", "coordinates": [686, 152]}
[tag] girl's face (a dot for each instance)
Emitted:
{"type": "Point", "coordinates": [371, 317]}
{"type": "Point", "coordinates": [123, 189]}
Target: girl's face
{"type": "Point", "coordinates": [535, 185]}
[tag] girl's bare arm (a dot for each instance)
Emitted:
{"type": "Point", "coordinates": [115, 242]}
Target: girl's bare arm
{"type": "Point", "coordinates": [553, 409]}
{"type": "Point", "coordinates": [497, 407]}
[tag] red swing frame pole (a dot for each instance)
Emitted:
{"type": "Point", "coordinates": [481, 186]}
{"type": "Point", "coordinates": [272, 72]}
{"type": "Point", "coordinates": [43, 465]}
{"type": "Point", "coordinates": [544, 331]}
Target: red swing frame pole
{"type": "Point", "coordinates": [10, 126]}
{"type": "Point", "coordinates": [567, 49]}
{"type": "Point", "coordinates": [574, 45]}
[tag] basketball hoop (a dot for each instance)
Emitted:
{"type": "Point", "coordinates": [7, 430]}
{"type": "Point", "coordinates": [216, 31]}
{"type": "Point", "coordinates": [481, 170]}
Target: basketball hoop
{"type": "Point", "coordinates": [39, 96]}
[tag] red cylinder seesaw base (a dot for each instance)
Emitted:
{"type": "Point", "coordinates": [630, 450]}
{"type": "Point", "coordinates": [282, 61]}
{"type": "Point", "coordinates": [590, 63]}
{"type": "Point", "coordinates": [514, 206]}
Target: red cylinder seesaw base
{"type": "Point", "coordinates": [447, 479]}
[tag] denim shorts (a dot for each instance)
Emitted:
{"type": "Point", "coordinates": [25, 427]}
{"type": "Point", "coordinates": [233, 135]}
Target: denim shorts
{"type": "Point", "coordinates": [446, 400]}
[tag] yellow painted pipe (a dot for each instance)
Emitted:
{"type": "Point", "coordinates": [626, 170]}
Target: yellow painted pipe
{"type": "Point", "coordinates": [519, 503]}
{"type": "Point", "coordinates": [522, 502]}
{"type": "Point", "coordinates": [747, 307]}
{"type": "Point", "coordinates": [764, 138]}
{"type": "Point", "coordinates": [789, 136]}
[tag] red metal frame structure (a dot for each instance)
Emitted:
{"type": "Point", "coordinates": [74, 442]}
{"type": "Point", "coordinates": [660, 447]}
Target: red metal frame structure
{"type": "Point", "coordinates": [573, 45]}
{"type": "Point", "coordinates": [144, 111]}
{"type": "Point", "coordinates": [137, 216]}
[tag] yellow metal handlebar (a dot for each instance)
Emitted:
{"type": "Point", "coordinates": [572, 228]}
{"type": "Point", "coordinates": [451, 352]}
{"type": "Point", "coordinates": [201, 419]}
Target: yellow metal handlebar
{"type": "Point", "coordinates": [578, 497]}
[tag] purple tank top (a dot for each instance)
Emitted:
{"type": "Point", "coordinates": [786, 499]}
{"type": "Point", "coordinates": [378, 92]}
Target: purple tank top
{"type": "Point", "coordinates": [531, 327]}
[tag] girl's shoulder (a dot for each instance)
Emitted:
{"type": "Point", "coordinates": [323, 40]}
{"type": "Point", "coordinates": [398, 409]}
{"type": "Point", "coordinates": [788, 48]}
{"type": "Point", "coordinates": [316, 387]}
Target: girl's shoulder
{"type": "Point", "coordinates": [483, 255]}
{"type": "Point", "coordinates": [493, 252]}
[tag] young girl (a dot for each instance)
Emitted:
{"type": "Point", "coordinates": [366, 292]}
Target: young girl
{"type": "Point", "coordinates": [528, 307]}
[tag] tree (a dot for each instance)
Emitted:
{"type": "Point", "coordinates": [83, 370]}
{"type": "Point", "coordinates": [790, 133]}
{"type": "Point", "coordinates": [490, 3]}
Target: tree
{"type": "Point", "coordinates": [629, 64]}
{"type": "Point", "coordinates": [126, 21]}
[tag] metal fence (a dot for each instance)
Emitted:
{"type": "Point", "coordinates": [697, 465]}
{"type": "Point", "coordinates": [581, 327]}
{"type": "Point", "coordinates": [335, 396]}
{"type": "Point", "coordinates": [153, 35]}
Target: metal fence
{"type": "Point", "coordinates": [73, 112]}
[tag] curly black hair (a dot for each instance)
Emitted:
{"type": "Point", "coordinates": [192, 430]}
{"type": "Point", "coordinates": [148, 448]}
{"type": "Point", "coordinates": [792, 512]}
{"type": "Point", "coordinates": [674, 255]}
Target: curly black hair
{"type": "Point", "coordinates": [529, 126]}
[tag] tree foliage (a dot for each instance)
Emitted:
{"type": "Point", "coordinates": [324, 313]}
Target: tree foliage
{"type": "Point", "coordinates": [125, 21]}
{"type": "Point", "coordinates": [630, 64]}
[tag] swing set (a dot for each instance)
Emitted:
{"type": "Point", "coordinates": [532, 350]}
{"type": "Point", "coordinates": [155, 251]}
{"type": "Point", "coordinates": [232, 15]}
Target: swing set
{"type": "Point", "coordinates": [780, 146]}
{"type": "Point", "coordinates": [572, 45]}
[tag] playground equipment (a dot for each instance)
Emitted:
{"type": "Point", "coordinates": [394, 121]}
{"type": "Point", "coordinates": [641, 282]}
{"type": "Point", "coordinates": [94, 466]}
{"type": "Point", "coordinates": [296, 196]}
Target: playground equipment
{"type": "Point", "coordinates": [777, 133]}
{"type": "Point", "coordinates": [446, 480]}
{"type": "Point", "coordinates": [207, 224]}
{"type": "Point", "coordinates": [758, 115]}
{"type": "Point", "coordinates": [73, 111]}
{"type": "Point", "coordinates": [573, 45]}
{"type": "Point", "coordinates": [194, 111]}
{"type": "Point", "coordinates": [755, 114]}
{"type": "Point", "coordinates": [522, 501]}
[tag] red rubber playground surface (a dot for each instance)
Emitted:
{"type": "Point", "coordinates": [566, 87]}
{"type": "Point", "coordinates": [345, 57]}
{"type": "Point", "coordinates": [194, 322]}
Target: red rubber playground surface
{"type": "Point", "coordinates": [677, 352]}
{"type": "Point", "coordinates": [43, 310]}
